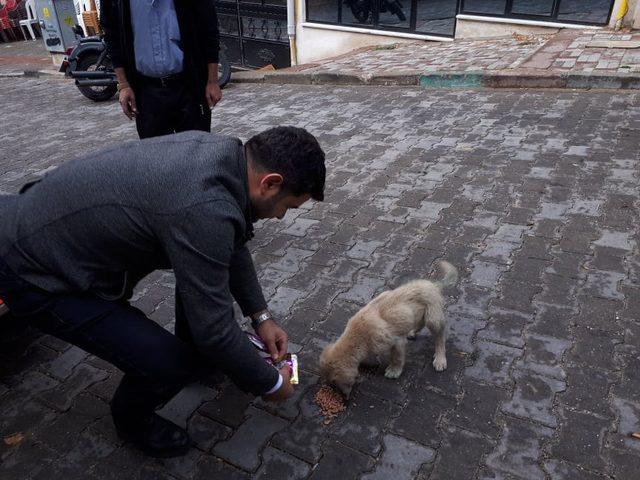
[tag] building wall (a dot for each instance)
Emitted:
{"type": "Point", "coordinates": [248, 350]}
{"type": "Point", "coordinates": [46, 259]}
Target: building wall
{"type": "Point", "coordinates": [477, 29]}
{"type": "Point", "coordinates": [315, 44]}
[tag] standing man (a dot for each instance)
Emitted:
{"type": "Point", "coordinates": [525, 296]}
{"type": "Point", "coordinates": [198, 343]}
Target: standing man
{"type": "Point", "coordinates": [165, 54]}
{"type": "Point", "coordinates": [74, 245]}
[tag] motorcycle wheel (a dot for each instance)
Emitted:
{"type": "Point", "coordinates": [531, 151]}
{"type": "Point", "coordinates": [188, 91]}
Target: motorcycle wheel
{"type": "Point", "coordinates": [88, 63]}
{"type": "Point", "coordinates": [224, 69]}
{"type": "Point", "coordinates": [360, 10]}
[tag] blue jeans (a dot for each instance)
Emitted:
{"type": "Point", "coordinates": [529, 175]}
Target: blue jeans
{"type": "Point", "coordinates": [156, 363]}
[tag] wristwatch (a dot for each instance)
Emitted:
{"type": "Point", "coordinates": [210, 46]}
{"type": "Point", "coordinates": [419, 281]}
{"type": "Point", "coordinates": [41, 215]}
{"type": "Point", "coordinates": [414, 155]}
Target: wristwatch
{"type": "Point", "coordinates": [263, 317]}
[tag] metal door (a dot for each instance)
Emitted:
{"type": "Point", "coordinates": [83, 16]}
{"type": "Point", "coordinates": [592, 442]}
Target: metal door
{"type": "Point", "coordinates": [254, 32]}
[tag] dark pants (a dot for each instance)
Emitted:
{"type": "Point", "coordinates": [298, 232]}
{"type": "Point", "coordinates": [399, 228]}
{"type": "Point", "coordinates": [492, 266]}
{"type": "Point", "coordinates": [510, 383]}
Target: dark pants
{"type": "Point", "coordinates": [172, 108]}
{"type": "Point", "coordinates": [156, 363]}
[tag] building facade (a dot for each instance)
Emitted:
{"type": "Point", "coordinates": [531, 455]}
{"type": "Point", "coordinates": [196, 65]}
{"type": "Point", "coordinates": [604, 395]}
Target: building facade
{"type": "Point", "coordinates": [285, 32]}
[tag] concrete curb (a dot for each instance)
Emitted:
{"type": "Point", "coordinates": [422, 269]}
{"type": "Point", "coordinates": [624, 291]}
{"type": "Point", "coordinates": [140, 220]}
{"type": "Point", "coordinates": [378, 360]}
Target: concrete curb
{"type": "Point", "coordinates": [32, 74]}
{"type": "Point", "coordinates": [432, 80]}
{"type": "Point", "coordinates": [500, 79]}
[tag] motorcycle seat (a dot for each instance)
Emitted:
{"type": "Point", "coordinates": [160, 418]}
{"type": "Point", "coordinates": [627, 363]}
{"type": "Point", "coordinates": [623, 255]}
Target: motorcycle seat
{"type": "Point", "coordinates": [90, 39]}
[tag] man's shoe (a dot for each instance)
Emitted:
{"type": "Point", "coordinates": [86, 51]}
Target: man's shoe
{"type": "Point", "coordinates": [155, 436]}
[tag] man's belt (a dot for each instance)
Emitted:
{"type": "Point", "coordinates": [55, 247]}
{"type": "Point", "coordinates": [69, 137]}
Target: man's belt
{"type": "Point", "coordinates": [167, 81]}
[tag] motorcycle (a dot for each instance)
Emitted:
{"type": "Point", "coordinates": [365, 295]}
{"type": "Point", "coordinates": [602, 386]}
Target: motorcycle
{"type": "Point", "coordinates": [89, 64]}
{"type": "Point", "coordinates": [363, 9]}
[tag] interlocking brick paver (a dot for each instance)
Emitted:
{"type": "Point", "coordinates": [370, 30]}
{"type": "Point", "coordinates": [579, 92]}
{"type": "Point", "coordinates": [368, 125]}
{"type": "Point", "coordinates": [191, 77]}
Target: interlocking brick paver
{"type": "Point", "coordinates": [244, 446]}
{"type": "Point", "coordinates": [493, 363]}
{"type": "Point", "coordinates": [304, 438]}
{"type": "Point", "coordinates": [533, 397]}
{"type": "Point", "coordinates": [505, 328]}
{"type": "Point", "coordinates": [401, 459]}
{"type": "Point", "coordinates": [567, 471]}
{"type": "Point", "coordinates": [339, 461]}
{"type": "Point", "coordinates": [580, 440]}
{"type": "Point", "coordinates": [478, 408]}
{"type": "Point", "coordinates": [544, 354]}
{"type": "Point", "coordinates": [181, 407]}
{"type": "Point", "coordinates": [228, 407]}
{"type": "Point", "coordinates": [430, 407]}
{"type": "Point", "coordinates": [519, 448]}
{"type": "Point", "coordinates": [279, 465]}
{"type": "Point", "coordinates": [62, 396]}
{"type": "Point", "coordinates": [361, 427]}
{"type": "Point", "coordinates": [537, 187]}
{"type": "Point", "coordinates": [460, 454]}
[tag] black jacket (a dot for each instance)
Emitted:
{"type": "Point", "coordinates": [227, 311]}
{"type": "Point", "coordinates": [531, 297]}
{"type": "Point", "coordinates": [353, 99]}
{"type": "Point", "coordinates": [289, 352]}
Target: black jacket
{"type": "Point", "coordinates": [198, 33]}
{"type": "Point", "coordinates": [99, 224]}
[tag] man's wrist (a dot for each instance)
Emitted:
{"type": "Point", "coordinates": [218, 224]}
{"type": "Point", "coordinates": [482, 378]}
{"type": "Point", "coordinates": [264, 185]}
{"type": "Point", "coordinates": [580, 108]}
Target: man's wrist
{"type": "Point", "coordinates": [277, 386]}
{"type": "Point", "coordinates": [259, 318]}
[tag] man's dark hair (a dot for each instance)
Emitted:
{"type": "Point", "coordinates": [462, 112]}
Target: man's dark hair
{"type": "Point", "coordinates": [293, 153]}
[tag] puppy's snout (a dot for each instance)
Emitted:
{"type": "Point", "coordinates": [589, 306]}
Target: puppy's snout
{"type": "Point", "coordinates": [344, 389]}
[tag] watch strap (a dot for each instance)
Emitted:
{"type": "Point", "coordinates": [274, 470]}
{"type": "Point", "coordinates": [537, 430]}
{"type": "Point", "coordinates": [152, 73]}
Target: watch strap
{"type": "Point", "coordinates": [263, 317]}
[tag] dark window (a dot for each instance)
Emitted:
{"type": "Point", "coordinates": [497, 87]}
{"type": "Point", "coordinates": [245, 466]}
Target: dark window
{"type": "Point", "coordinates": [358, 12]}
{"type": "Point", "coordinates": [585, 11]}
{"type": "Point", "coordinates": [533, 7]}
{"type": "Point", "coordinates": [594, 12]}
{"type": "Point", "coordinates": [395, 13]}
{"type": "Point", "coordinates": [427, 17]}
{"type": "Point", "coordinates": [323, 10]}
{"type": "Point", "coordinates": [436, 16]}
{"type": "Point", "coordinates": [492, 7]}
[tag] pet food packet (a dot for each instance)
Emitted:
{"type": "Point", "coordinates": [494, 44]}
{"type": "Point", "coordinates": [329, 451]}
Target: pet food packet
{"type": "Point", "coordinates": [290, 359]}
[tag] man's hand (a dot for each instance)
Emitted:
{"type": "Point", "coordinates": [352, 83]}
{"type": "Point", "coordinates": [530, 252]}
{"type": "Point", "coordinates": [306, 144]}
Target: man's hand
{"type": "Point", "coordinates": [127, 101]}
{"type": "Point", "coordinates": [285, 391]}
{"type": "Point", "coordinates": [213, 94]}
{"type": "Point", "coordinates": [275, 339]}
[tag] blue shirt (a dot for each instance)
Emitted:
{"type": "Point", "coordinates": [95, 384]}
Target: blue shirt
{"type": "Point", "coordinates": [156, 37]}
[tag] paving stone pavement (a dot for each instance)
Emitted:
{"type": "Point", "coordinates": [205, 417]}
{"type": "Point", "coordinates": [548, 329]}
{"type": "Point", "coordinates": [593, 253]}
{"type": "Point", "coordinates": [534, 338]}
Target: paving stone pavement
{"type": "Point", "coordinates": [26, 55]}
{"type": "Point", "coordinates": [533, 195]}
{"type": "Point", "coordinates": [567, 51]}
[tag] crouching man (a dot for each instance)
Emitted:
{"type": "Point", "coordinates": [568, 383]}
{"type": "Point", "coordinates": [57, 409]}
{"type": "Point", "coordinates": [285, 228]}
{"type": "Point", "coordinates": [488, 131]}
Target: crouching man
{"type": "Point", "coordinates": [74, 245]}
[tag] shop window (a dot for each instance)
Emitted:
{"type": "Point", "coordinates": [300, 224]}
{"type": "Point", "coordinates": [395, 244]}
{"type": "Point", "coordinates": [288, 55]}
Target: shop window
{"type": "Point", "coordinates": [533, 7]}
{"type": "Point", "coordinates": [485, 7]}
{"type": "Point", "coordinates": [590, 12]}
{"type": "Point", "coordinates": [323, 10]}
{"type": "Point", "coordinates": [585, 11]}
{"type": "Point", "coordinates": [437, 17]}
{"type": "Point", "coordinates": [427, 17]}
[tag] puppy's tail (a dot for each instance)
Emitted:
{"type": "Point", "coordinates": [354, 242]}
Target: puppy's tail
{"type": "Point", "coordinates": [448, 274]}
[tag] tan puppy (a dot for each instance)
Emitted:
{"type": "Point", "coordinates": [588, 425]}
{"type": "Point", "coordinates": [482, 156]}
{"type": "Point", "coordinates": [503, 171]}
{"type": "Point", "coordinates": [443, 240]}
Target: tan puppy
{"type": "Point", "coordinates": [379, 331]}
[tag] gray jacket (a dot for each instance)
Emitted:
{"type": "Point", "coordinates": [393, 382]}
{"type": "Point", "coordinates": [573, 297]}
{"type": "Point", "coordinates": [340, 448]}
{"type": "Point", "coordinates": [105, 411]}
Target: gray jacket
{"type": "Point", "coordinates": [100, 223]}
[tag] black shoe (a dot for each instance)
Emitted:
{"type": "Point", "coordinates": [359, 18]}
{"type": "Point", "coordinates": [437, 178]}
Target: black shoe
{"type": "Point", "coordinates": [155, 436]}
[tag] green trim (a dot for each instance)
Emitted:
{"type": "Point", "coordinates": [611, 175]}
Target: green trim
{"type": "Point", "coordinates": [452, 80]}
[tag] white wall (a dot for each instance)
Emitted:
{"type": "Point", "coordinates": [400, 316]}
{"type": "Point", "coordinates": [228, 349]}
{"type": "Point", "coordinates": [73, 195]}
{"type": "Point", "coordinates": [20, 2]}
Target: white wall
{"type": "Point", "coordinates": [317, 44]}
{"type": "Point", "coordinates": [476, 29]}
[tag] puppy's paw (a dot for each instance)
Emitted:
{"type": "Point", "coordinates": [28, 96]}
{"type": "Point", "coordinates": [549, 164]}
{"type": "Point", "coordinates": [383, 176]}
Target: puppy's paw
{"type": "Point", "coordinates": [412, 335]}
{"type": "Point", "coordinates": [440, 364]}
{"type": "Point", "coordinates": [393, 372]}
